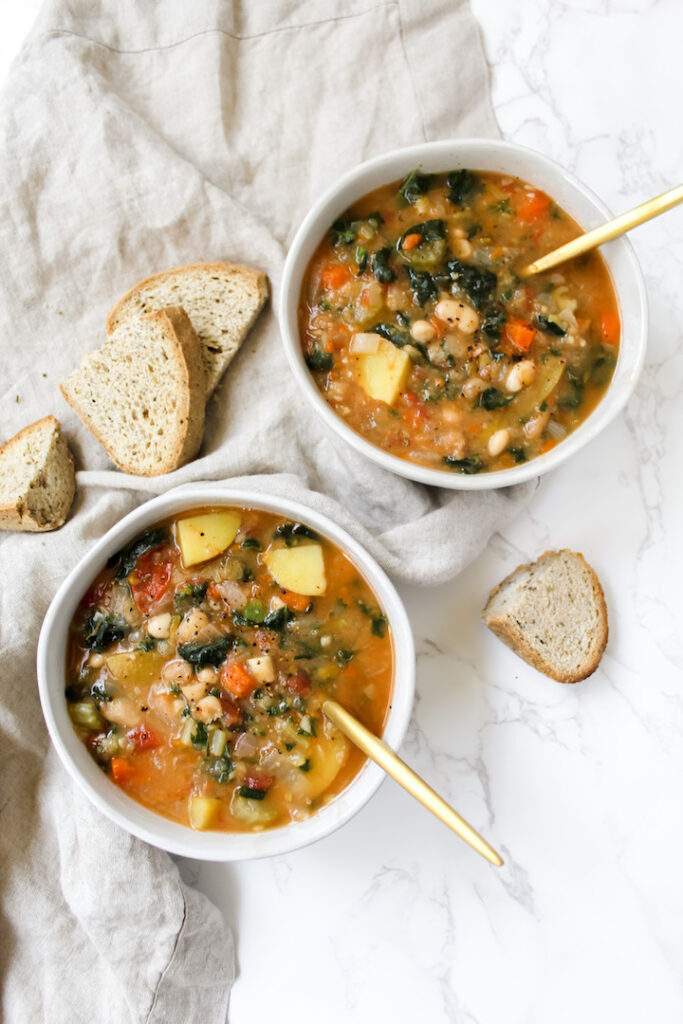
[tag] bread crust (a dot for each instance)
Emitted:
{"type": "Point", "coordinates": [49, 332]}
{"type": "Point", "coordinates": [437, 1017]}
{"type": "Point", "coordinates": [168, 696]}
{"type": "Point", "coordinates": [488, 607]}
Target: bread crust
{"type": "Point", "coordinates": [18, 516]}
{"type": "Point", "coordinates": [255, 279]}
{"type": "Point", "coordinates": [188, 438]}
{"type": "Point", "coordinates": [258, 277]}
{"type": "Point", "coordinates": [515, 641]}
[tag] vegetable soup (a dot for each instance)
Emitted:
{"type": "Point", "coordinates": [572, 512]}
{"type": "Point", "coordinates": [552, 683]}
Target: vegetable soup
{"type": "Point", "coordinates": [200, 657]}
{"type": "Point", "coordinates": [421, 335]}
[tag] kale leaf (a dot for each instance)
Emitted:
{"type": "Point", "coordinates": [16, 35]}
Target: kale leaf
{"type": "Point", "coordinates": [492, 398]}
{"type": "Point", "coordinates": [290, 532]}
{"type": "Point", "coordinates": [463, 187]}
{"type": "Point", "coordinates": [102, 629]}
{"type": "Point", "coordinates": [544, 323]}
{"type": "Point", "coordinates": [422, 286]}
{"type": "Point", "coordinates": [126, 560]}
{"type": "Point", "coordinates": [319, 360]}
{"type": "Point", "coordinates": [379, 264]}
{"type": "Point", "coordinates": [213, 653]}
{"type": "Point", "coordinates": [469, 465]}
{"type": "Point", "coordinates": [493, 324]}
{"type": "Point", "coordinates": [414, 186]}
{"type": "Point", "coordinates": [477, 284]}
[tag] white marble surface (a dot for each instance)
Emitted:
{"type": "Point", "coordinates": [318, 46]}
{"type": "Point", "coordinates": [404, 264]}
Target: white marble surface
{"type": "Point", "coordinates": [580, 787]}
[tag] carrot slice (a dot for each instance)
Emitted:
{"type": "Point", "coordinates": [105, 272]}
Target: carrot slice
{"type": "Point", "coordinates": [295, 602]}
{"type": "Point", "coordinates": [411, 241]}
{"type": "Point", "coordinates": [533, 206]}
{"type": "Point", "coordinates": [122, 770]}
{"type": "Point", "coordinates": [238, 679]}
{"type": "Point", "coordinates": [335, 276]}
{"type": "Point", "coordinates": [519, 333]}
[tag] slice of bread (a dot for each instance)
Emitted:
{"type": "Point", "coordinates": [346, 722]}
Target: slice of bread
{"type": "Point", "coordinates": [37, 479]}
{"type": "Point", "coordinates": [552, 613]}
{"type": "Point", "coordinates": [143, 394]}
{"type": "Point", "coordinates": [221, 299]}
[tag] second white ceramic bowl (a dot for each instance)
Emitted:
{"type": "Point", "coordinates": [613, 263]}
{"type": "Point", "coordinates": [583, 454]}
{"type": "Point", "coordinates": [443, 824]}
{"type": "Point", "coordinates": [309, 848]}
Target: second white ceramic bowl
{"type": "Point", "coordinates": [109, 798]}
{"type": "Point", "coordinates": [484, 155]}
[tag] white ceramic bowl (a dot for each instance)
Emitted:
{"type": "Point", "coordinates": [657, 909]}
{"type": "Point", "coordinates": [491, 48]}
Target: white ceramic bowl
{"type": "Point", "coordinates": [108, 797]}
{"type": "Point", "coordinates": [484, 155]}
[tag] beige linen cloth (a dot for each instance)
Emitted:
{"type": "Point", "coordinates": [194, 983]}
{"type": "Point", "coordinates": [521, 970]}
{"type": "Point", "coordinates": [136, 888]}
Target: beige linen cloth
{"type": "Point", "coordinates": [133, 137]}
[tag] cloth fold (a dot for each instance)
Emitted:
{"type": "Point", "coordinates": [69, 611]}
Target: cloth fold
{"type": "Point", "coordinates": [136, 137]}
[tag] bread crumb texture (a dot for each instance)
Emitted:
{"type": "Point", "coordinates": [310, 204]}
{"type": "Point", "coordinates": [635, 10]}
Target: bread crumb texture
{"type": "Point", "coordinates": [552, 613]}
{"type": "Point", "coordinates": [143, 394]}
{"type": "Point", "coordinates": [37, 478]}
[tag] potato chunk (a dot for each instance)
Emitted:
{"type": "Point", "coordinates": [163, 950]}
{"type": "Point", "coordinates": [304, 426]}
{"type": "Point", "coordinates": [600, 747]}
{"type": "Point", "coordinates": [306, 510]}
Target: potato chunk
{"type": "Point", "coordinates": [383, 374]}
{"type": "Point", "coordinates": [203, 811]}
{"type": "Point", "coordinates": [301, 569]}
{"type": "Point", "coordinates": [205, 536]}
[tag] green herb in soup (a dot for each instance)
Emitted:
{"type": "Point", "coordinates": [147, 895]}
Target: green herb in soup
{"type": "Point", "coordinates": [421, 335]}
{"type": "Point", "coordinates": [199, 659]}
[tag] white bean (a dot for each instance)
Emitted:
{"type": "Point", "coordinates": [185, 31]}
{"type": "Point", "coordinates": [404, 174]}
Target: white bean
{"type": "Point", "coordinates": [462, 248]}
{"type": "Point", "coordinates": [521, 375]}
{"type": "Point", "coordinates": [95, 660]}
{"type": "Point", "coordinates": [195, 691]}
{"type": "Point", "coordinates": [458, 314]}
{"type": "Point", "coordinates": [423, 331]}
{"type": "Point", "coordinates": [195, 626]}
{"type": "Point", "coordinates": [498, 442]}
{"type": "Point", "coordinates": [208, 675]}
{"type": "Point", "coordinates": [473, 387]}
{"type": "Point", "coordinates": [177, 673]}
{"type": "Point", "coordinates": [159, 626]}
{"type": "Point", "coordinates": [208, 709]}
{"type": "Point", "coordinates": [122, 711]}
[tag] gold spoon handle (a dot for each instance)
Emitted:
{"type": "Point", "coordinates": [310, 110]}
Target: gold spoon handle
{"type": "Point", "coordinates": [606, 232]}
{"type": "Point", "coordinates": [406, 777]}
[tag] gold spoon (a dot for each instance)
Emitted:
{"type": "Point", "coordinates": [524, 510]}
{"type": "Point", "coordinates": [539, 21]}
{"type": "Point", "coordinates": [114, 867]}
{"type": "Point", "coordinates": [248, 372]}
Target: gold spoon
{"type": "Point", "coordinates": [606, 232]}
{"type": "Point", "coordinates": [384, 756]}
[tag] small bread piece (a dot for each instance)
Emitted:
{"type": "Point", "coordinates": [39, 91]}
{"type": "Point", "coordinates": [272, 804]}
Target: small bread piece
{"type": "Point", "coordinates": [221, 299]}
{"type": "Point", "coordinates": [552, 613]}
{"type": "Point", "coordinates": [143, 394]}
{"type": "Point", "coordinates": [37, 479]}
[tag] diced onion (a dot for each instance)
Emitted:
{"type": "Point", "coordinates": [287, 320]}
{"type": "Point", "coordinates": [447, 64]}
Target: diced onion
{"type": "Point", "coordinates": [246, 745]}
{"type": "Point", "coordinates": [556, 430]}
{"type": "Point", "coordinates": [367, 344]}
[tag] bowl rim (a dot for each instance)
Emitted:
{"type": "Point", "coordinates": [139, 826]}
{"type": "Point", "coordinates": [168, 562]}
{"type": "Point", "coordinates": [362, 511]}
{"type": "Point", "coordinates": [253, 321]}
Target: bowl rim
{"type": "Point", "coordinates": [135, 817]}
{"type": "Point", "coordinates": [597, 420]}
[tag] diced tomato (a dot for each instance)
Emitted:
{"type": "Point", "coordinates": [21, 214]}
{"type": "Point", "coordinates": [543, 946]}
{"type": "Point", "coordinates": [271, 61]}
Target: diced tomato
{"type": "Point", "coordinates": [122, 770]}
{"type": "Point", "coordinates": [412, 399]}
{"type": "Point", "coordinates": [610, 328]}
{"type": "Point", "coordinates": [237, 678]}
{"type": "Point", "coordinates": [533, 206]}
{"type": "Point", "coordinates": [149, 580]}
{"type": "Point", "coordinates": [95, 595]}
{"type": "Point", "coordinates": [335, 276]}
{"type": "Point", "coordinates": [295, 602]}
{"type": "Point", "coordinates": [231, 713]}
{"type": "Point", "coordinates": [519, 333]}
{"type": "Point", "coordinates": [143, 738]}
{"type": "Point", "coordinates": [299, 683]}
{"type": "Point", "coordinates": [411, 241]}
{"type": "Point", "coordinates": [256, 779]}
